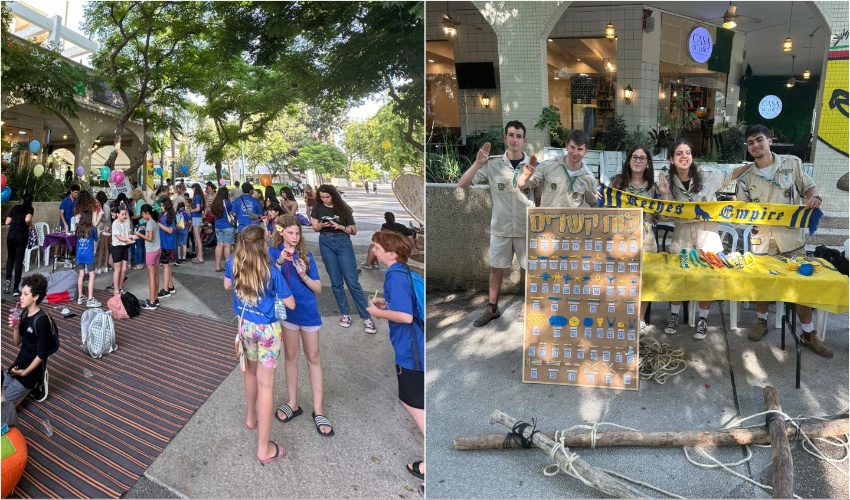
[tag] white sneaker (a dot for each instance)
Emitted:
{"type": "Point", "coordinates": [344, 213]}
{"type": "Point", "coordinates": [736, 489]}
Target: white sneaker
{"type": "Point", "coordinates": [98, 271]}
{"type": "Point", "coordinates": [345, 321]}
{"type": "Point", "coordinates": [81, 299]}
{"type": "Point", "coordinates": [93, 302]}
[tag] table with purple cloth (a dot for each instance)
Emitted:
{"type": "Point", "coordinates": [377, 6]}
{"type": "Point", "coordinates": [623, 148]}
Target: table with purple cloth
{"type": "Point", "coordinates": [69, 240]}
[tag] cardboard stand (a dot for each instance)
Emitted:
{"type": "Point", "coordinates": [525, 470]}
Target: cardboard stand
{"type": "Point", "coordinates": [582, 297]}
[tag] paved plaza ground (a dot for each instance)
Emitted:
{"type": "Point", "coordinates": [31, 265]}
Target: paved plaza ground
{"type": "Point", "coordinates": [474, 371]}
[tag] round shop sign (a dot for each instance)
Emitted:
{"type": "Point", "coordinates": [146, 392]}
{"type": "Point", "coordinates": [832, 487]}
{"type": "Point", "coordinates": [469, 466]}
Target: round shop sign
{"type": "Point", "coordinates": [770, 106]}
{"type": "Point", "coordinates": [700, 44]}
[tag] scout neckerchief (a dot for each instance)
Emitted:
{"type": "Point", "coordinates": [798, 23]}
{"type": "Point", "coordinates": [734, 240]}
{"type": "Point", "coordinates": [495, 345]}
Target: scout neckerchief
{"type": "Point", "coordinates": [571, 178]}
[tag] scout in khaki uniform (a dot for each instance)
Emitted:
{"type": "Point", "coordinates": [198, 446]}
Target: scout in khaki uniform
{"type": "Point", "coordinates": [508, 222]}
{"type": "Point", "coordinates": [565, 181]}
{"type": "Point", "coordinates": [774, 178]}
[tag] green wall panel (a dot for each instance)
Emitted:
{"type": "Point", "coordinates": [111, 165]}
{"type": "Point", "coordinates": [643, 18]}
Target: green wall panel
{"type": "Point", "coordinates": [798, 104]}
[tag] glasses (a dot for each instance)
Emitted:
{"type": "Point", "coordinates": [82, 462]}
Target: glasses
{"type": "Point", "coordinates": [639, 159]}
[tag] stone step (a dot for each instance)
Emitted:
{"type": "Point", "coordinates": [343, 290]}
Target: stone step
{"type": "Point", "coordinates": [835, 220]}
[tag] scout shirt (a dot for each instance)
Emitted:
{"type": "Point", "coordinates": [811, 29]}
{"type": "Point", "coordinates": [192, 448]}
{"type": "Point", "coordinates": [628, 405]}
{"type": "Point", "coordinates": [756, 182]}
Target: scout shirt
{"type": "Point", "coordinates": [787, 185]}
{"type": "Point", "coordinates": [564, 189]}
{"type": "Point", "coordinates": [712, 181]}
{"type": "Point", "coordinates": [509, 203]}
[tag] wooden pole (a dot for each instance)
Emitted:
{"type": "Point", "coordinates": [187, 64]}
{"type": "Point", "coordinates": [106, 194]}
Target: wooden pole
{"type": "Point", "coordinates": [592, 476]}
{"type": "Point", "coordinates": [723, 437]}
{"type": "Point", "coordinates": [780, 451]}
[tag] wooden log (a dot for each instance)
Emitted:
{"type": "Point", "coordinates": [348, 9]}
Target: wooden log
{"type": "Point", "coordinates": [592, 476]}
{"type": "Point", "coordinates": [780, 450]}
{"type": "Point", "coordinates": [723, 437]}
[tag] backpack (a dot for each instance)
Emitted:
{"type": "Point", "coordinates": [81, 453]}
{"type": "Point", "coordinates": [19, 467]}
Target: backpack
{"type": "Point", "coordinates": [131, 304]}
{"type": "Point", "coordinates": [116, 307]}
{"type": "Point", "coordinates": [181, 222]}
{"type": "Point", "coordinates": [834, 257]}
{"type": "Point", "coordinates": [54, 330]}
{"type": "Point", "coordinates": [418, 286]}
{"type": "Point", "coordinates": [98, 332]}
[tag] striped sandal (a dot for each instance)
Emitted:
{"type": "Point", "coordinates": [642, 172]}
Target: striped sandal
{"type": "Point", "coordinates": [322, 420]}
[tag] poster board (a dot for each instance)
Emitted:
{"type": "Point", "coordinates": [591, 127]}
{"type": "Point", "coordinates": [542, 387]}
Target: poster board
{"type": "Point", "coordinates": [582, 297]}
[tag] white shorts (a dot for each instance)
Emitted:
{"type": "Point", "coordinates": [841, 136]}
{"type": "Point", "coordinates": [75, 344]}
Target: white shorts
{"type": "Point", "coordinates": [502, 250]}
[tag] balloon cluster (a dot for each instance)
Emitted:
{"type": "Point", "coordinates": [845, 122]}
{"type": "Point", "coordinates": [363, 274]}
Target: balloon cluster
{"type": "Point", "coordinates": [5, 191]}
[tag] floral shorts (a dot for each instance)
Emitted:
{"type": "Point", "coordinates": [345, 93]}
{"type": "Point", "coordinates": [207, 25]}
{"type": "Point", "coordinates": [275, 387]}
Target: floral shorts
{"type": "Point", "coordinates": [261, 342]}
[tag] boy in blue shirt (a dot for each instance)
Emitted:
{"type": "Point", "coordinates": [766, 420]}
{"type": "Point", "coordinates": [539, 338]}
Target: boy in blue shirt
{"type": "Point", "coordinates": [407, 334]}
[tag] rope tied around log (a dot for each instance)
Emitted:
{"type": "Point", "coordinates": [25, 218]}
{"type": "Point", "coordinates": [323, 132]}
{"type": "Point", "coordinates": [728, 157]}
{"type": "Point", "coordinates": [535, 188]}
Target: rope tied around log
{"type": "Point", "coordinates": [516, 435]}
{"type": "Point", "coordinates": [659, 361]}
{"type": "Point", "coordinates": [560, 435]}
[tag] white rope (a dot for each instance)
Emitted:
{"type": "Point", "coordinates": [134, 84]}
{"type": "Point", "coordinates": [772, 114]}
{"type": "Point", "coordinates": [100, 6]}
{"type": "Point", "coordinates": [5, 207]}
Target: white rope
{"type": "Point", "coordinates": [807, 446]}
{"type": "Point", "coordinates": [659, 361]}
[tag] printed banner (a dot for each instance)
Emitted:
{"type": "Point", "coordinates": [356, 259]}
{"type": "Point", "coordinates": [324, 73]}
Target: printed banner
{"type": "Point", "coordinates": [582, 297]}
{"type": "Point", "coordinates": [833, 129]}
{"type": "Point", "coordinates": [731, 212]}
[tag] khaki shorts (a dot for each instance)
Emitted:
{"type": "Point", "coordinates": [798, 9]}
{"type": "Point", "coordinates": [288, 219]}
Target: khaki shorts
{"type": "Point", "coordinates": [699, 235]}
{"type": "Point", "coordinates": [503, 248]}
{"type": "Point", "coordinates": [769, 247]}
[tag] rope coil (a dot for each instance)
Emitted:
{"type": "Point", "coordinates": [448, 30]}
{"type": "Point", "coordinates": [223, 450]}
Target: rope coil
{"type": "Point", "coordinates": [659, 361]}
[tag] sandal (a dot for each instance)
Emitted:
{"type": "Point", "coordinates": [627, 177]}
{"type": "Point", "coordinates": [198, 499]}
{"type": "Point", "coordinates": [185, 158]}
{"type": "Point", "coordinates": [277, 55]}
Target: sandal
{"type": "Point", "coordinates": [196, 261]}
{"type": "Point", "coordinates": [288, 412]}
{"type": "Point", "coordinates": [277, 455]}
{"type": "Point", "coordinates": [414, 469]}
{"type": "Point", "coordinates": [322, 420]}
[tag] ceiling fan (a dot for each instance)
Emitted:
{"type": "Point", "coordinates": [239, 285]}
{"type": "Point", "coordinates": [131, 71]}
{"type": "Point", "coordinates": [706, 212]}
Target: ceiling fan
{"type": "Point", "coordinates": [450, 26]}
{"type": "Point", "coordinates": [731, 18]}
{"type": "Point", "coordinates": [792, 79]}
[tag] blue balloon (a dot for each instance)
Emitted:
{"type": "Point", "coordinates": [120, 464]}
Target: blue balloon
{"type": "Point", "coordinates": [5, 194]}
{"type": "Point", "coordinates": [35, 146]}
{"type": "Point", "coordinates": [184, 168]}
{"type": "Point", "coordinates": [158, 170]}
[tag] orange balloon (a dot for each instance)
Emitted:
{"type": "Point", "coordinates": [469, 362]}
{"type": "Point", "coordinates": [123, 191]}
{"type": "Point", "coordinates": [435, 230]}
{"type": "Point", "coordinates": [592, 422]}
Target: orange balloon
{"type": "Point", "coordinates": [266, 180]}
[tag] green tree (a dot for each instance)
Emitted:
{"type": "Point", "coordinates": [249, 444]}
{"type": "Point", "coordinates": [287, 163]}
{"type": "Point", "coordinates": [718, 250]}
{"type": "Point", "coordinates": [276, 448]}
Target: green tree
{"type": "Point", "coordinates": [323, 158]}
{"type": "Point", "coordinates": [363, 171]}
{"type": "Point", "coordinates": [36, 75]}
{"type": "Point", "coordinates": [365, 140]}
{"type": "Point", "coordinates": [148, 52]}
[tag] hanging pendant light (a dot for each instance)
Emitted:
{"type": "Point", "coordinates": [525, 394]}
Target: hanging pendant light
{"type": "Point", "coordinates": [609, 28]}
{"type": "Point", "coordinates": [808, 73]}
{"type": "Point", "coordinates": [787, 45]}
{"type": "Point", "coordinates": [729, 17]}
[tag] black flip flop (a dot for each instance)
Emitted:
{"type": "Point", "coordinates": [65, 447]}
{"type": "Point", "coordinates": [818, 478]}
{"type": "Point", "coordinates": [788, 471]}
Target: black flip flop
{"type": "Point", "coordinates": [414, 469]}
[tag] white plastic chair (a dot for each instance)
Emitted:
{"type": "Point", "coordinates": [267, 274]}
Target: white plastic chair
{"type": "Point", "coordinates": [40, 230]}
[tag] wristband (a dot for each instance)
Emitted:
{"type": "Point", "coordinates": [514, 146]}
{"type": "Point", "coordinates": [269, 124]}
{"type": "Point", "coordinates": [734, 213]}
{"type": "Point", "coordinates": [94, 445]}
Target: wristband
{"type": "Point", "coordinates": [703, 256]}
{"type": "Point", "coordinates": [695, 260]}
{"type": "Point", "coordinates": [748, 259]}
{"type": "Point", "coordinates": [724, 260]}
{"type": "Point", "coordinates": [683, 259]}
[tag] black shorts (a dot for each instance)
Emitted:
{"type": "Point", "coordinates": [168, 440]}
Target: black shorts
{"type": "Point", "coordinates": [166, 257]}
{"type": "Point", "coordinates": [411, 387]}
{"type": "Point", "coordinates": [119, 253]}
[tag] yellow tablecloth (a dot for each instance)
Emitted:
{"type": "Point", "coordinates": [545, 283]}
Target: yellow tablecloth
{"type": "Point", "coordinates": [665, 281]}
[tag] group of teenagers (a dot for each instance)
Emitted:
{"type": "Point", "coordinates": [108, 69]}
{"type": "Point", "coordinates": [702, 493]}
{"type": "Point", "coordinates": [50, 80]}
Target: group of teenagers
{"type": "Point", "coordinates": [566, 182]}
{"type": "Point", "coordinates": [275, 281]}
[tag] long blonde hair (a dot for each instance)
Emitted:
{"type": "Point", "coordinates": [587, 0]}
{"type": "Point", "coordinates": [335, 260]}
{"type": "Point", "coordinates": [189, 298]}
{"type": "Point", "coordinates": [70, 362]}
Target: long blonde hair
{"type": "Point", "coordinates": [251, 270]}
{"type": "Point", "coordinates": [286, 221]}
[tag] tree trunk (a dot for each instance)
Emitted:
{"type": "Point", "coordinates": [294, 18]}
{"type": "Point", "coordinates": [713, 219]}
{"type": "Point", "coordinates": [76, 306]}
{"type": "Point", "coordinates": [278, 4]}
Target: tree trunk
{"type": "Point", "coordinates": [596, 478]}
{"type": "Point", "coordinates": [780, 451]}
{"type": "Point", "coordinates": [724, 437]}
{"type": "Point", "coordinates": [218, 171]}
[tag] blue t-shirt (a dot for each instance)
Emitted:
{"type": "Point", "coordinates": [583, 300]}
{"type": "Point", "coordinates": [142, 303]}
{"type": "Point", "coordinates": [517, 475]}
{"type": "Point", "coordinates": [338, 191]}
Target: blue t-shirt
{"type": "Point", "coordinates": [399, 296]}
{"type": "Point", "coordinates": [222, 222]}
{"type": "Point", "coordinates": [86, 248]}
{"type": "Point", "coordinates": [67, 208]}
{"type": "Point", "coordinates": [306, 312]}
{"type": "Point", "coordinates": [244, 205]}
{"type": "Point", "coordinates": [197, 200]}
{"type": "Point", "coordinates": [168, 241]}
{"type": "Point", "coordinates": [263, 312]}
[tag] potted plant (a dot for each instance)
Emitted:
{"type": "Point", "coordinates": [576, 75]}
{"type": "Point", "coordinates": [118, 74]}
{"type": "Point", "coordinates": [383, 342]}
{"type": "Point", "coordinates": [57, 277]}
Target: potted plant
{"type": "Point", "coordinates": [551, 117]}
{"type": "Point", "coordinates": [660, 140]}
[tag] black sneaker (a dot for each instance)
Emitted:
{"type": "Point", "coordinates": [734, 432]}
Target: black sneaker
{"type": "Point", "coordinates": [16, 293]}
{"type": "Point", "coordinates": [163, 294]}
{"type": "Point", "coordinates": [702, 329]}
{"type": "Point", "coordinates": [150, 307]}
{"type": "Point", "coordinates": [177, 263]}
{"type": "Point", "coordinates": [7, 286]}
{"type": "Point", "coordinates": [672, 324]}
{"type": "Point", "coordinates": [39, 392]}
{"type": "Point", "coordinates": [171, 291]}
{"type": "Point", "coordinates": [156, 303]}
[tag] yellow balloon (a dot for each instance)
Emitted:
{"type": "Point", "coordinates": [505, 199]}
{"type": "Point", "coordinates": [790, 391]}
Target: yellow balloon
{"type": "Point", "coordinates": [386, 145]}
{"type": "Point", "coordinates": [38, 170]}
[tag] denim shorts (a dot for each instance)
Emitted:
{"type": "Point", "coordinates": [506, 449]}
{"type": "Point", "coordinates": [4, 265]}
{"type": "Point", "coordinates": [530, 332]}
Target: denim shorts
{"type": "Point", "coordinates": [225, 235]}
{"type": "Point", "coordinates": [182, 236]}
{"type": "Point", "coordinates": [196, 221]}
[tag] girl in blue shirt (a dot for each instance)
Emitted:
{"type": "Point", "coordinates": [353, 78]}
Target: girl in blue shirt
{"type": "Point", "coordinates": [182, 233]}
{"type": "Point", "coordinates": [198, 208]}
{"type": "Point", "coordinates": [168, 244]}
{"type": "Point", "coordinates": [86, 244]}
{"type": "Point", "coordinates": [257, 286]}
{"type": "Point", "coordinates": [301, 326]}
